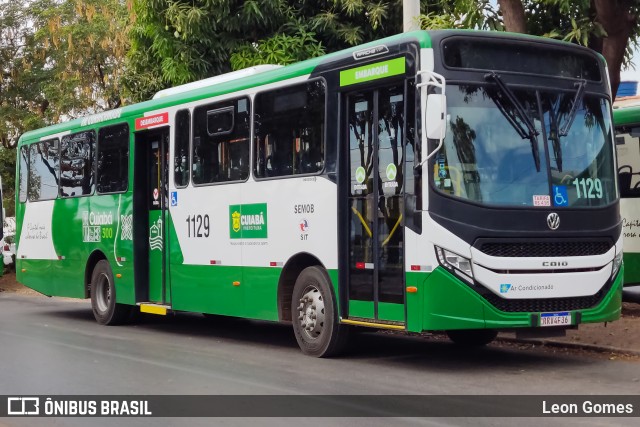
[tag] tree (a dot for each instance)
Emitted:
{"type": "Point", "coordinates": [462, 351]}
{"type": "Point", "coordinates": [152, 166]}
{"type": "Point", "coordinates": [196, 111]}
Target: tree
{"type": "Point", "coordinates": [178, 41]}
{"type": "Point", "coordinates": [22, 104]}
{"type": "Point", "coordinates": [609, 27]}
{"type": "Point", "coordinates": [59, 58]}
{"type": "Point", "coordinates": [85, 43]}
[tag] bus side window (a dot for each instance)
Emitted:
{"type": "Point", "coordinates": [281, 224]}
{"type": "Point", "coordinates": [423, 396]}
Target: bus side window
{"type": "Point", "coordinates": [77, 157]}
{"type": "Point", "coordinates": [24, 173]}
{"type": "Point", "coordinates": [113, 159]}
{"type": "Point", "coordinates": [44, 170]}
{"type": "Point", "coordinates": [289, 130]}
{"type": "Point", "coordinates": [221, 142]}
{"type": "Point", "coordinates": [181, 149]}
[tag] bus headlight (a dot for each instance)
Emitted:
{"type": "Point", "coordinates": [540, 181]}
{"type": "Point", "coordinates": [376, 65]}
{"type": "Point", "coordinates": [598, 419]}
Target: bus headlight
{"type": "Point", "coordinates": [617, 262]}
{"type": "Point", "coordinates": [455, 263]}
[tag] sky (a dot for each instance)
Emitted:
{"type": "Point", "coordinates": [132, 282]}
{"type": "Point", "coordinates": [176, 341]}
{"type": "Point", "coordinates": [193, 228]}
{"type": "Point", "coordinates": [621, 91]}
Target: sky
{"type": "Point", "coordinates": [630, 73]}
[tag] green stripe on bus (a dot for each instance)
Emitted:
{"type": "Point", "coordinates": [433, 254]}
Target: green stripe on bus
{"type": "Point", "coordinates": [374, 71]}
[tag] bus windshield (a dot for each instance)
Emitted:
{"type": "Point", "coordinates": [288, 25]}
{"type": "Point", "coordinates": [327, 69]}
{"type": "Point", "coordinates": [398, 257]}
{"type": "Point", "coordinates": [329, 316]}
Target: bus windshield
{"type": "Point", "coordinates": [492, 156]}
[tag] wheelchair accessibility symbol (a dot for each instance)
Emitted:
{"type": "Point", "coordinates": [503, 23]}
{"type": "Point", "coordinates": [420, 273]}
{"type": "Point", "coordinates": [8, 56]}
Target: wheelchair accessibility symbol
{"type": "Point", "coordinates": [174, 198]}
{"type": "Point", "coordinates": [560, 195]}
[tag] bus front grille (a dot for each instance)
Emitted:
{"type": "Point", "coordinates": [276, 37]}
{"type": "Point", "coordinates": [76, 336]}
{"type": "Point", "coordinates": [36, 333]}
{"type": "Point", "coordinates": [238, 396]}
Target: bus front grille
{"type": "Point", "coordinates": [545, 249]}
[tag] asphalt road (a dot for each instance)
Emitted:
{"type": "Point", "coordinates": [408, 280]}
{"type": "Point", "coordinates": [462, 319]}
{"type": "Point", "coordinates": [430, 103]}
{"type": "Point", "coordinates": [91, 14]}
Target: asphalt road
{"type": "Point", "coordinates": [53, 347]}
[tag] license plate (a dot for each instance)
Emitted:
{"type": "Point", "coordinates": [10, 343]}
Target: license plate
{"type": "Point", "coordinates": [562, 318]}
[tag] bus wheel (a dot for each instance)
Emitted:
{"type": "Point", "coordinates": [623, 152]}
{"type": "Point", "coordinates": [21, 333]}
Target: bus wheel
{"type": "Point", "coordinates": [103, 297]}
{"type": "Point", "coordinates": [315, 320]}
{"type": "Point", "coordinates": [472, 337]}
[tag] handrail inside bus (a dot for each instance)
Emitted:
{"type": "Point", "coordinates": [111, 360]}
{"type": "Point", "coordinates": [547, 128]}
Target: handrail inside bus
{"type": "Point", "coordinates": [364, 223]}
{"type": "Point", "coordinates": [393, 230]}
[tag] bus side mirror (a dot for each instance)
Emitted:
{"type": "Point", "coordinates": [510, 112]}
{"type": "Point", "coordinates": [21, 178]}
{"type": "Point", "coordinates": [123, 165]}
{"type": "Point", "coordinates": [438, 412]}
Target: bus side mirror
{"type": "Point", "coordinates": [435, 116]}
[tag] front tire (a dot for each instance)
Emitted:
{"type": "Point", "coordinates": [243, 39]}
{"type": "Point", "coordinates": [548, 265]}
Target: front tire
{"type": "Point", "coordinates": [103, 297]}
{"type": "Point", "coordinates": [315, 318]}
{"type": "Point", "coordinates": [472, 337]}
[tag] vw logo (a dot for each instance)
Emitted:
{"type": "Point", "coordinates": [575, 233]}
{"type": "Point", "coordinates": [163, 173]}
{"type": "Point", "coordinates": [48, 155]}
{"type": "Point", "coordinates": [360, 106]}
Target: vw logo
{"type": "Point", "coordinates": [553, 221]}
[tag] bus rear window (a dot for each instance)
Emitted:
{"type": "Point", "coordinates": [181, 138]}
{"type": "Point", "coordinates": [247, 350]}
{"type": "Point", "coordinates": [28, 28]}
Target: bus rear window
{"type": "Point", "coordinates": [519, 57]}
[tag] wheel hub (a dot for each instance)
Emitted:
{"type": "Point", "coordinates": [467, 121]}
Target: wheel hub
{"type": "Point", "coordinates": [311, 312]}
{"type": "Point", "coordinates": [103, 293]}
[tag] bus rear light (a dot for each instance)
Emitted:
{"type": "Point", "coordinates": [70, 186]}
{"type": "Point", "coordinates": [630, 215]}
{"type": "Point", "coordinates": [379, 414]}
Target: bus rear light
{"type": "Point", "coordinates": [455, 263]}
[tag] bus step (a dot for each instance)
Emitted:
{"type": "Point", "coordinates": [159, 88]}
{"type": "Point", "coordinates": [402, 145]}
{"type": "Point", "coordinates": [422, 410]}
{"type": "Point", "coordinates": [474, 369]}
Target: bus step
{"type": "Point", "coordinates": [152, 308]}
{"type": "Point", "coordinates": [370, 323]}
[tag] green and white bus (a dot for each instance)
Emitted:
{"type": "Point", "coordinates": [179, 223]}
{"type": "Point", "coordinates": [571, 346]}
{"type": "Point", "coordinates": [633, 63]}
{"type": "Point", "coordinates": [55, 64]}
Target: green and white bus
{"type": "Point", "coordinates": [626, 118]}
{"type": "Point", "coordinates": [452, 181]}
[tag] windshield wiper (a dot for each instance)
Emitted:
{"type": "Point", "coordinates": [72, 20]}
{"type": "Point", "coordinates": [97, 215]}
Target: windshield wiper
{"type": "Point", "coordinates": [530, 132]}
{"type": "Point", "coordinates": [577, 100]}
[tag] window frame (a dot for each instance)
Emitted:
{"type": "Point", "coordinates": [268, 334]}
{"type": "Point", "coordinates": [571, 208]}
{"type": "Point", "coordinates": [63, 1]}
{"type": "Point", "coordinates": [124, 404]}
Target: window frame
{"type": "Point", "coordinates": [26, 189]}
{"type": "Point", "coordinates": [48, 140]}
{"type": "Point", "coordinates": [98, 143]}
{"type": "Point", "coordinates": [94, 164]}
{"type": "Point", "coordinates": [254, 148]}
{"type": "Point", "coordinates": [235, 98]}
{"type": "Point", "coordinates": [233, 120]}
{"type": "Point", "coordinates": [189, 145]}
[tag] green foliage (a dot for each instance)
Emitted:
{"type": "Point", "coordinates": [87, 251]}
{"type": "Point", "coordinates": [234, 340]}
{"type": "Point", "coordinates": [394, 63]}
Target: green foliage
{"type": "Point", "coordinates": [569, 20]}
{"type": "Point", "coordinates": [59, 59]}
{"type": "Point", "coordinates": [178, 41]}
{"type": "Point", "coordinates": [22, 72]}
{"type": "Point", "coordinates": [478, 14]}
{"type": "Point", "coordinates": [279, 49]}
{"type": "Point", "coordinates": [84, 43]}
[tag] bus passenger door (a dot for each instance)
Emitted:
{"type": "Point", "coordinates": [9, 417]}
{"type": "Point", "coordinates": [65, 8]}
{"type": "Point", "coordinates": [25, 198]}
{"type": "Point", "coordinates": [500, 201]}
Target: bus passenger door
{"type": "Point", "coordinates": [150, 212]}
{"type": "Point", "coordinates": [376, 134]}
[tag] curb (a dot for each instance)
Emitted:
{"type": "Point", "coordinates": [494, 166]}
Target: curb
{"type": "Point", "coordinates": [577, 346]}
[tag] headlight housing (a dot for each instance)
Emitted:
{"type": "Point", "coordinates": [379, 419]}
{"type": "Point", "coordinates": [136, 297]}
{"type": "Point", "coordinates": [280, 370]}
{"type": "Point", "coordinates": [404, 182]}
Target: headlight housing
{"type": "Point", "coordinates": [617, 262]}
{"type": "Point", "coordinates": [455, 263]}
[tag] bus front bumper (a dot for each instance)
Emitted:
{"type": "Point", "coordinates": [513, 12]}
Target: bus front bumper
{"type": "Point", "coordinates": [444, 302]}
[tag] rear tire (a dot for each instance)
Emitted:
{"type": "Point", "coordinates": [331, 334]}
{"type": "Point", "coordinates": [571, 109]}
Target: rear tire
{"type": "Point", "coordinates": [472, 337]}
{"type": "Point", "coordinates": [315, 318]}
{"type": "Point", "coordinates": [103, 297]}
